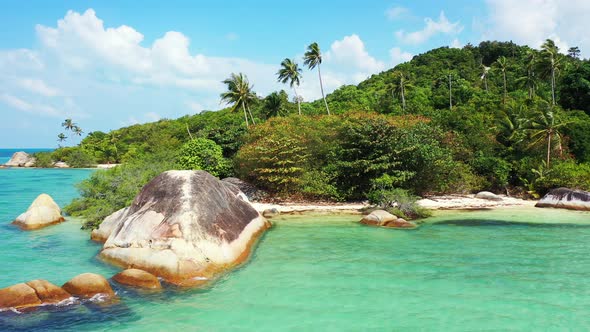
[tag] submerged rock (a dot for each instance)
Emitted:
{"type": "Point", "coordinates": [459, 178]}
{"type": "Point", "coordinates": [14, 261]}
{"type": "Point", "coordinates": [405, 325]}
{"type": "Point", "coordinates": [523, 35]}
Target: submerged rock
{"type": "Point", "coordinates": [21, 159]}
{"type": "Point", "coordinates": [42, 212]}
{"type": "Point", "coordinates": [185, 226]}
{"type": "Point", "coordinates": [383, 218]}
{"type": "Point", "coordinates": [137, 278]}
{"type": "Point", "coordinates": [565, 198]}
{"type": "Point", "coordinates": [31, 294]}
{"type": "Point", "coordinates": [87, 285]}
{"type": "Point", "coordinates": [488, 196]}
{"type": "Point", "coordinates": [102, 233]}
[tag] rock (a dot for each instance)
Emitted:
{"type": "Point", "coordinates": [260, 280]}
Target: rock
{"type": "Point", "coordinates": [20, 159]}
{"type": "Point", "coordinates": [102, 233]}
{"type": "Point", "coordinates": [18, 296]}
{"type": "Point", "coordinates": [269, 213]}
{"type": "Point", "coordinates": [385, 219]}
{"type": "Point", "coordinates": [254, 194]}
{"type": "Point", "coordinates": [185, 226]}
{"type": "Point", "coordinates": [61, 164]}
{"type": "Point", "coordinates": [400, 223]}
{"type": "Point", "coordinates": [30, 163]}
{"type": "Point", "coordinates": [488, 196]}
{"type": "Point", "coordinates": [48, 292]}
{"type": "Point", "coordinates": [42, 212]}
{"type": "Point", "coordinates": [138, 278]}
{"type": "Point", "coordinates": [378, 218]}
{"type": "Point", "coordinates": [87, 285]}
{"type": "Point", "coordinates": [565, 198]}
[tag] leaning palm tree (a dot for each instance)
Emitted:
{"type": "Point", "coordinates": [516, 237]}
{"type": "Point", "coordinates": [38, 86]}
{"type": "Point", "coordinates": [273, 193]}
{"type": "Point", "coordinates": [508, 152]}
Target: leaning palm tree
{"type": "Point", "coordinates": [61, 138]}
{"type": "Point", "coordinates": [544, 128]}
{"type": "Point", "coordinates": [401, 83]}
{"type": "Point", "coordinates": [502, 64]}
{"type": "Point", "coordinates": [550, 63]}
{"type": "Point", "coordinates": [68, 124]}
{"type": "Point", "coordinates": [313, 58]}
{"type": "Point", "coordinates": [290, 72]}
{"type": "Point", "coordinates": [239, 93]}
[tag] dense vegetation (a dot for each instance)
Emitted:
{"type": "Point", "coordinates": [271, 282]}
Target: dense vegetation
{"type": "Point", "coordinates": [496, 116]}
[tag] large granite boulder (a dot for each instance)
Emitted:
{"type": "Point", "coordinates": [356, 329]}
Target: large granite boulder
{"type": "Point", "coordinates": [252, 193]}
{"type": "Point", "coordinates": [21, 159]}
{"type": "Point", "coordinates": [87, 285]}
{"type": "Point", "coordinates": [488, 196]}
{"type": "Point", "coordinates": [383, 218]}
{"type": "Point", "coordinates": [137, 278]}
{"type": "Point", "coordinates": [31, 294]}
{"type": "Point", "coordinates": [565, 198]}
{"type": "Point", "coordinates": [42, 212]}
{"type": "Point", "coordinates": [102, 233]}
{"type": "Point", "coordinates": [185, 226]}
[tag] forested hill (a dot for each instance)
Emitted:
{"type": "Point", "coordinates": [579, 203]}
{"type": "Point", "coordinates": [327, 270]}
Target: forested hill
{"type": "Point", "coordinates": [496, 116]}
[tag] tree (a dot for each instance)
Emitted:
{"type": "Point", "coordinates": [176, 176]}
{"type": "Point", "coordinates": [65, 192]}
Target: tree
{"type": "Point", "coordinates": [290, 72]}
{"type": "Point", "coordinates": [61, 138]}
{"type": "Point", "coordinates": [544, 127]}
{"type": "Point", "coordinates": [239, 93]}
{"type": "Point", "coordinates": [203, 154]}
{"type": "Point", "coordinates": [313, 58]}
{"type": "Point", "coordinates": [530, 81]}
{"type": "Point", "coordinates": [550, 63]}
{"type": "Point", "coordinates": [273, 104]}
{"type": "Point", "coordinates": [68, 124]}
{"type": "Point", "coordinates": [401, 84]}
{"type": "Point", "coordinates": [574, 52]}
{"type": "Point", "coordinates": [502, 64]}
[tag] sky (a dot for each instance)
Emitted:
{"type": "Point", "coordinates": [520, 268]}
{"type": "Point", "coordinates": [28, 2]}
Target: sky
{"type": "Point", "coordinates": [109, 64]}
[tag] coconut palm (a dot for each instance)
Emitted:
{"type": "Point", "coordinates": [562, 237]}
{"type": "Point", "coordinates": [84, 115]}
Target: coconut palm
{"type": "Point", "coordinates": [544, 128]}
{"type": "Point", "coordinates": [313, 58]}
{"type": "Point", "coordinates": [401, 83]}
{"type": "Point", "coordinates": [273, 105]}
{"type": "Point", "coordinates": [291, 73]}
{"type": "Point", "coordinates": [511, 123]}
{"type": "Point", "coordinates": [77, 130]}
{"type": "Point", "coordinates": [502, 64]}
{"type": "Point", "coordinates": [239, 93]}
{"type": "Point", "coordinates": [550, 63]}
{"type": "Point", "coordinates": [530, 81]}
{"type": "Point", "coordinates": [61, 138]}
{"type": "Point", "coordinates": [68, 124]}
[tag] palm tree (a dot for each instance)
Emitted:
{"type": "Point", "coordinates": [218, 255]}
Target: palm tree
{"type": "Point", "coordinates": [402, 82]}
{"type": "Point", "coordinates": [61, 138]}
{"type": "Point", "coordinates": [313, 58]}
{"type": "Point", "coordinates": [290, 72]}
{"type": "Point", "coordinates": [273, 105]}
{"type": "Point", "coordinates": [530, 81]}
{"type": "Point", "coordinates": [68, 124]}
{"type": "Point", "coordinates": [239, 93]}
{"type": "Point", "coordinates": [574, 52]}
{"type": "Point", "coordinates": [544, 128]}
{"type": "Point", "coordinates": [551, 63]}
{"type": "Point", "coordinates": [512, 123]}
{"type": "Point", "coordinates": [484, 75]}
{"type": "Point", "coordinates": [502, 64]}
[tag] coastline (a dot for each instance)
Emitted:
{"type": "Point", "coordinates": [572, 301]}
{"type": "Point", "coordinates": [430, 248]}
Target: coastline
{"type": "Point", "coordinates": [444, 202]}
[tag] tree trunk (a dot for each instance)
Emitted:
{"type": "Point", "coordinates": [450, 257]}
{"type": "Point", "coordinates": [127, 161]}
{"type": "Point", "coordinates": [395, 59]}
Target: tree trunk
{"type": "Point", "coordinates": [403, 95]}
{"type": "Point", "coordinates": [505, 90]}
{"type": "Point", "coordinates": [485, 82]}
{"type": "Point", "coordinates": [549, 148]}
{"type": "Point", "coordinates": [450, 94]}
{"type": "Point", "coordinates": [245, 115]}
{"type": "Point", "coordinates": [322, 88]}
{"type": "Point", "coordinates": [251, 117]}
{"type": "Point", "coordinates": [552, 82]}
{"type": "Point", "coordinates": [298, 101]}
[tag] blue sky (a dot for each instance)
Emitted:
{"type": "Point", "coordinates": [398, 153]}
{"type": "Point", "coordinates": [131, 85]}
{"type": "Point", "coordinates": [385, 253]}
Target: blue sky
{"type": "Point", "coordinates": [109, 64]}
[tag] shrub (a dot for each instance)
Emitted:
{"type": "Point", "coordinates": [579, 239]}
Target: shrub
{"type": "Point", "coordinates": [43, 159]}
{"type": "Point", "coordinates": [203, 154]}
{"type": "Point", "coordinates": [398, 202]}
{"type": "Point", "coordinates": [564, 174]}
{"type": "Point", "coordinates": [495, 171]}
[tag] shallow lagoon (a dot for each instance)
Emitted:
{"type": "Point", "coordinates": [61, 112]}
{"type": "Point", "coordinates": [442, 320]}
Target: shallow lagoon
{"type": "Point", "coordinates": [511, 269]}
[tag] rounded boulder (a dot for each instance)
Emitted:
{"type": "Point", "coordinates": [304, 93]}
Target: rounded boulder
{"type": "Point", "coordinates": [87, 285]}
{"type": "Point", "coordinates": [42, 212]}
{"type": "Point", "coordinates": [137, 278]}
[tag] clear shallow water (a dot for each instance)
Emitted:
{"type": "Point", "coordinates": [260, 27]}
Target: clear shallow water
{"type": "Point", "coordinates": [484, 270]}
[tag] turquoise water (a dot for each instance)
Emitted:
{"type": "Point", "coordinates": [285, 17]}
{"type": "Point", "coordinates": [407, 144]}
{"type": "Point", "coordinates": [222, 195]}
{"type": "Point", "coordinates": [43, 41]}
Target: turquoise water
{"type": "Point", "coordinates": [521, 270]}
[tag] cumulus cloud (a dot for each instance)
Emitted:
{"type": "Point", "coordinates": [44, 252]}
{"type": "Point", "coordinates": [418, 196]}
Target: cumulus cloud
{"type": "Point", "coordinates": [398, 56]}
{"type": "Point", "coordinates": [351, 51]}
{"type": "Point", "coordinates": [532, 21]}
{"type": "Point", "coordinates": [396, 12]}
{"type": "Point", "coordinates": [431, 28]}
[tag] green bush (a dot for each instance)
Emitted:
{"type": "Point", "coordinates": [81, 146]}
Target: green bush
{"type": "Point", "coordinates": [43, 159]}
{"type": "Point", "coordinates": [567, 174]}
{"type": "Point", "coordinates": [495, 171]}
{"type": "Point", "coordinates": [398, 202]}
{"type": "Point", "coordinates": [203, 154]}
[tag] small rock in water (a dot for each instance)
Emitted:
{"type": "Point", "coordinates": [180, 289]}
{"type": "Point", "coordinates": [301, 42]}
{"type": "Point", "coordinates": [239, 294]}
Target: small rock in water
{"type": "Point", "coordinates": [269, 213]}
{"type": "Point", "coordinates": [385, 219]}
{"type": "Point", "coordinates": [137, 278]}
{"type": "Point", "coordinates": [42, 212]}
{"type": "Point", "coordinates": [87, 285]}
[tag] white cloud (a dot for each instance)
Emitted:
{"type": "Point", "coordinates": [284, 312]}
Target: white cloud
{"type": "Point", "coordinates": [37, 86]}
{"type": "Point", "coordinates": [431, 28]}
{"type": "Point", "coordinates": [456, 44]}
{"type": "Point", "coordinates": [24, 106]}
{"type": "Point", "coordinates": [398, 56]}
{"type": "Point", "coordinates": [396, 12]}
{"type": "Point", "coordinates": [351, 51]}
{"type": "Point", "coordinates": [532, 21]}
